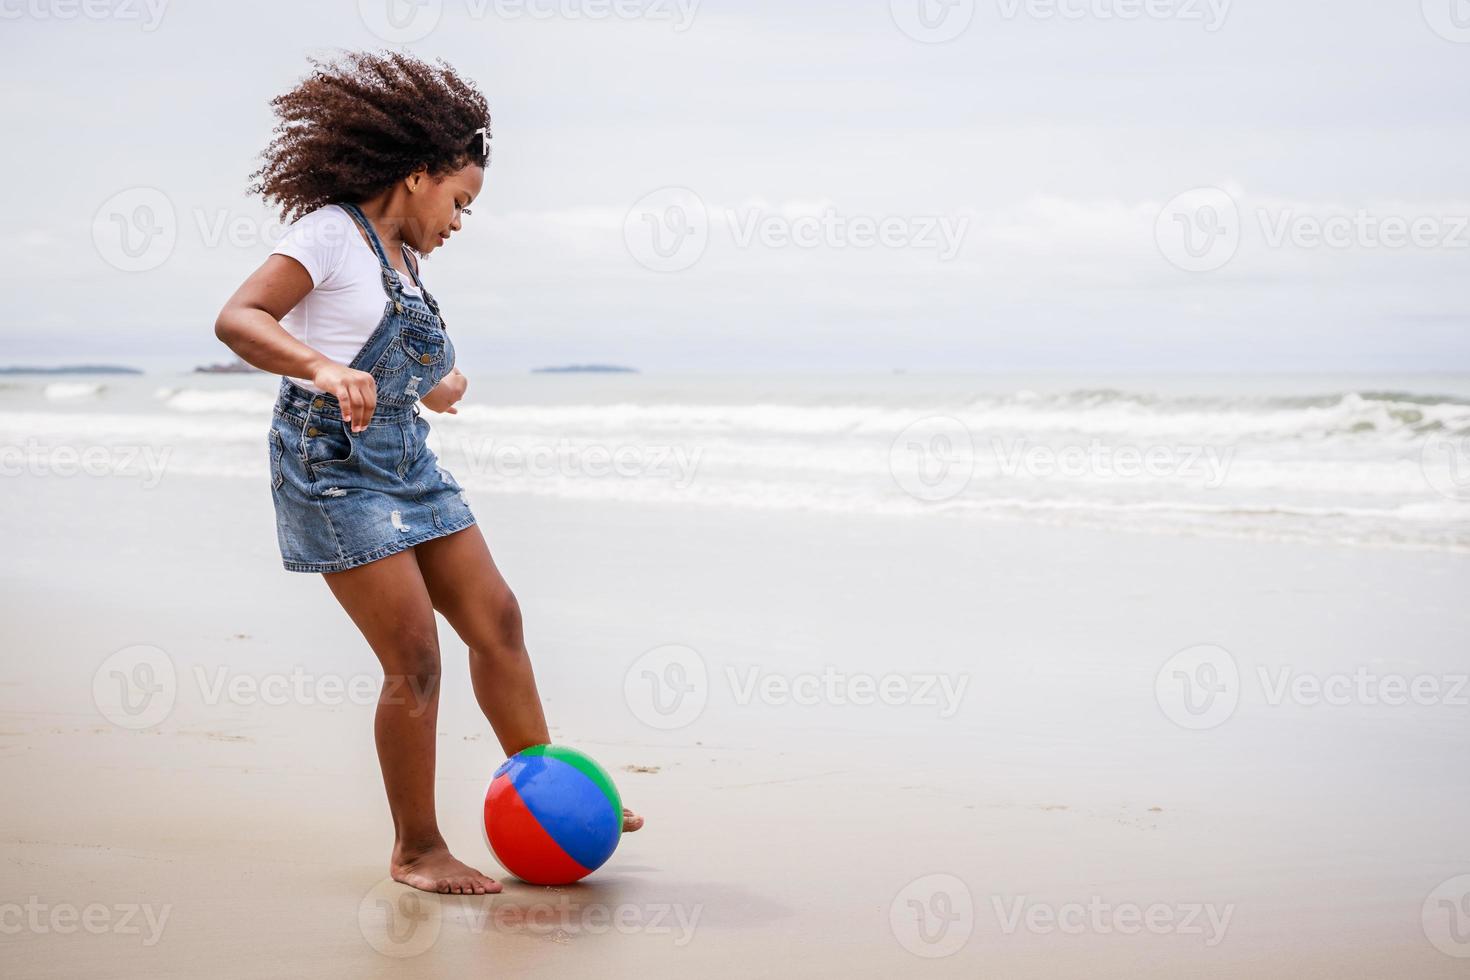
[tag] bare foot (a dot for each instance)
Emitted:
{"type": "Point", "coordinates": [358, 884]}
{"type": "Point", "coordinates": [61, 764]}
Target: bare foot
{"type": "Point", "coordinates": [434, 869]}
{"type": "Point", "coordinates": [631, 821]}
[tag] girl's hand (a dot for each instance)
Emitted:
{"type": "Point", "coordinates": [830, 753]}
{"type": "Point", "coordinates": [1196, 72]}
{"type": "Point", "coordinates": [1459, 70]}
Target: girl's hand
{"type": "Point", "coordinates": [442, 396]}
{"type": "Point", "coordinates": [356, 391]}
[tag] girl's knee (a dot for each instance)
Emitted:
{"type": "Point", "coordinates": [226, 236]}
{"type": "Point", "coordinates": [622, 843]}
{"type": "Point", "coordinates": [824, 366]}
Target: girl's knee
{"type": "Point", "coordinates": [413, 673]}
{"type": "Point", "coordinates": [507, 621]}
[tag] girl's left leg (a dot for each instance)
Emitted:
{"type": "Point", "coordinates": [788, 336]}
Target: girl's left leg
{"type": "Point", "coordinates": [466, 587]}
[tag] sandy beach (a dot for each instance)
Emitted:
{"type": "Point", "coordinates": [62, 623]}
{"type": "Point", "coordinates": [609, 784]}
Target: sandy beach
{"type": "Point", "coordinates": [902, 746]}
{"type": "Point", "coordinates": [989, 481]}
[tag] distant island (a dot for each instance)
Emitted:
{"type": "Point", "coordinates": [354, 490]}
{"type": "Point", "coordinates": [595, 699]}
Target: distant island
{"type": "Point", "coordinates": [237, 366]}
{"type": "Point", "coordinates": [585, 369]}
{"type": "Point", "coordinates": [69, 369]}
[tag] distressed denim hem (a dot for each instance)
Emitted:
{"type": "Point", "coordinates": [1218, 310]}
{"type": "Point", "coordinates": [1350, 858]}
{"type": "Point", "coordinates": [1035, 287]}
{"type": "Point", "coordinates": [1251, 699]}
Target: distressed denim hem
{"type": "Point", "coordinates": [371, 556]}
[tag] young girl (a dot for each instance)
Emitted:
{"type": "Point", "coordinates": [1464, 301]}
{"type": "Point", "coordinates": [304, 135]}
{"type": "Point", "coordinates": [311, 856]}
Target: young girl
{"type": "Point", "coordinates": [379, 157]}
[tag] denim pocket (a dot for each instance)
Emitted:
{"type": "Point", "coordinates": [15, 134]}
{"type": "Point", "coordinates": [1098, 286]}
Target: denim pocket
{"type": "Point", "coordinates": [277, 448]}
{"type": "Point", "coordinates": [423, 347]}
{"type": "Point", "coordinates": [328, 442]}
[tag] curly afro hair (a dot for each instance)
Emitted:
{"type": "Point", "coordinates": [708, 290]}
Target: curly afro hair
{"type": "Point", "coordinates": [359, 124]}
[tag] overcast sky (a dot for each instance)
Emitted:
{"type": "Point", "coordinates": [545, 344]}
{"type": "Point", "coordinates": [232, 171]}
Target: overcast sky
{"type": "Point", "coordinates": [1086, 185]}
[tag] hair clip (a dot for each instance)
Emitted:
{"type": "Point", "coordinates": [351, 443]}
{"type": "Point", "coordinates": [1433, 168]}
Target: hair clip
{"type": "Point", "coordinates": [484, 133]}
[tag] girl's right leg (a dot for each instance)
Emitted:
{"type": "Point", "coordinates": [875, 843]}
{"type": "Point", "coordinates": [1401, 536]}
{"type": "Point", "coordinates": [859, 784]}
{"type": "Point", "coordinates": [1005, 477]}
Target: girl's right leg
{"type": "Point", "coordinates": [389, 602]}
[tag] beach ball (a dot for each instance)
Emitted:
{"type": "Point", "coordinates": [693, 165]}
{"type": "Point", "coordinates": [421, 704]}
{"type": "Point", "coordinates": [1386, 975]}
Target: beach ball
{"type": "Point", "coordinates": [552, 815]}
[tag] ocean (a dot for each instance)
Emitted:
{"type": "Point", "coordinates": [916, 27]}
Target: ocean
{"type": "Point", "coordinates": [1355, 461]}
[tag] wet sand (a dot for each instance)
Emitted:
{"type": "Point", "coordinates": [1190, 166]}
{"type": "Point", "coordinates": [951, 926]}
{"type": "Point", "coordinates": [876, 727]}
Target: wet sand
{"type": "Point", "coordinates": [1016, 801]}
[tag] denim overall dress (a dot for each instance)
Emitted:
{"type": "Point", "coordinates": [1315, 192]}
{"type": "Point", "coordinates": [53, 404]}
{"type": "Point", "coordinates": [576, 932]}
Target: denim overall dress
{"type": "Point", "coordinates": [343, 499]}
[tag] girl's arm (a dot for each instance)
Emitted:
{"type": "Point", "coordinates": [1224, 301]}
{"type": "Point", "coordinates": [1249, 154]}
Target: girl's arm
{"type": "Point", "coordinates": [250, 325]}
{"type": "Point", "coordinates": [442, 396]}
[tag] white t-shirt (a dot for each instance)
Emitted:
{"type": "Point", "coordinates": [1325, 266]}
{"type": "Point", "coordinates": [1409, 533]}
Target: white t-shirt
{"type": "Point", "coordinates": [347, 298]}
